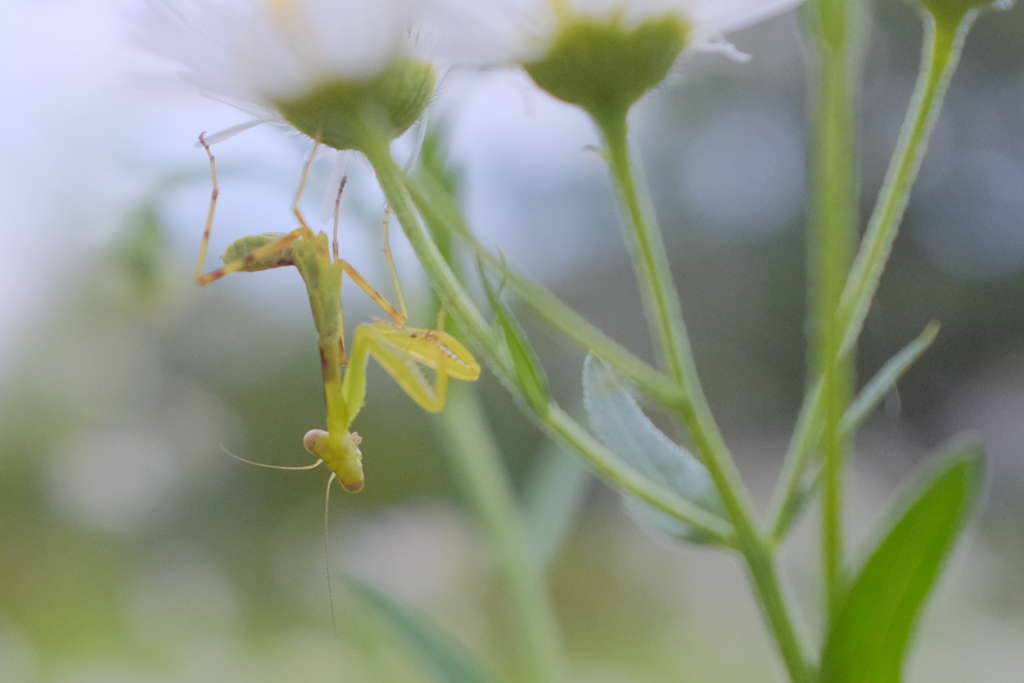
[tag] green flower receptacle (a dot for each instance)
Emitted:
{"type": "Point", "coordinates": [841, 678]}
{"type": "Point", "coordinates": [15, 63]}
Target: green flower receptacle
{"type": "Point", "coordinates": [604, 67]}
{"type": "Point", "coordinates": [951, 12]}
{"type": "Point", "coordinates": [339, 112]}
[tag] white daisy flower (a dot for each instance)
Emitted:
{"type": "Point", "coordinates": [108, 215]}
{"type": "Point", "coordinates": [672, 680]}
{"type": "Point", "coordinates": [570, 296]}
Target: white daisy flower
{"type": "Point", "coordinates": [585, 51]}
{"type": "Point", "coordinates": [495, 32]}
{"type": "Point", "coordinates": [335, 70]}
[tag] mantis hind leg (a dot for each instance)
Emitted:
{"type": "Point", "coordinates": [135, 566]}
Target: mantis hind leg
{"type": "Point", "coordinates": [399, 317]}
{"type": "Point", "coordinates": [391, 264]}
{"type": "Point", "coordinates": [303, 230]}
{"type": "Point", "coordinates": [209, 215]}
{"type": "Point", "coordinates": [263, 252]}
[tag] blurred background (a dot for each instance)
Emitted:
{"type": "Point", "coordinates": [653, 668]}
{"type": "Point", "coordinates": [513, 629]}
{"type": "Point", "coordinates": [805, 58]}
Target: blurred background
{"type": "Point", "coordinates": [133, 549]}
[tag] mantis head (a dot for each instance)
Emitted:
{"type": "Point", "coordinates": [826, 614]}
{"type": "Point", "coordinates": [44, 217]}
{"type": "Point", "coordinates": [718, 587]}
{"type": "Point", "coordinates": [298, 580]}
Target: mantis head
{"type": "Point", "coordinates": [340, 454]}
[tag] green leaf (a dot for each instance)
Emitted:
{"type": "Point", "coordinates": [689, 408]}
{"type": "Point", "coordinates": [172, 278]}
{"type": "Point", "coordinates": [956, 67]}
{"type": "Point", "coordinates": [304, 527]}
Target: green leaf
{"type": "Point", "coordinates": [800, 486]}
{"type": "Point", "coordinates": [876, 389]}
{"type": "Point", "coordinates": [870, 636]}
{"type": "Point", "coordinates": [530, 377]}
{"type": "Point", "coordinates": [619, 423]}
{"type": "Point", "coordinates": [444, 659]}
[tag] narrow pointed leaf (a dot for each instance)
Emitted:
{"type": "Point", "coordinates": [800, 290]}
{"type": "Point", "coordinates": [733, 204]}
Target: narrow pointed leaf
{"type": "Point", "coordinates": [869, 639]}
{"type": "Point", "coordinates": [619, 423]}
{"type": "Point", "coordinates": [445, 660]}
{"type": "Point", "coordinates": [793, 491]}
{"type": "Point", "coordinates": [438, 208]}
{"type": "Point", "coordinates": [791, 500]}
{"type": "Point", "coordinates": [885, 379]}
{"type": "Point", "coordinates": [530, 376]}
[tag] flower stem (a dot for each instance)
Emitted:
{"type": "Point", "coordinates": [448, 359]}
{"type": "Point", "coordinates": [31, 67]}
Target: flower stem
{"type": "Point", "coordinates": [478, 462]}
{"type": "Point", "coordinates": [838, 314]}
{"type": "Point", "coordinates": [944, 39]}
{"type": "Point", "coordinates": [831, 238]}
{"type": "Point", "coordinates": [836, 29]}
{"type": "Point", "coordinates": [665, 318]}
{"type": "Point", "coordinates": [437, 206]}
{"type": "Point", "coordinates": [477, 459]}
{"type": "Point", "coordinates": [554, 420]}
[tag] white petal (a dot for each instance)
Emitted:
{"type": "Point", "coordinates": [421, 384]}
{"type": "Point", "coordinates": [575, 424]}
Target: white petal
{"type": "Point", "coordinates": [718, 44]}
{"type": "Point", "coordinates": [733, 15]}
{"type": "Point", "coordinates": [260, 51]}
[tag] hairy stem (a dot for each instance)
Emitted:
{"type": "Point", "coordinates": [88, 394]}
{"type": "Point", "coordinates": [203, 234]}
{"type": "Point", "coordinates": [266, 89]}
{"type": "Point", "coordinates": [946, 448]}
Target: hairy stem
{"type": "Point", "coordinates": [944, 39]}
{"type": "Point", "coordinates": [478, 463]}
{"type": "Point", "coordinates": [665, 318]}
{"type": "Point", "coordinates": [469, 317]}
{"type": "Point", "coordinates": [836, 30]}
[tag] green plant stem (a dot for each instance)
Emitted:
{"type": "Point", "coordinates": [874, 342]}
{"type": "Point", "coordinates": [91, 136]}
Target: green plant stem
{"type": "Point", "coordinates": [559, 424]}
{"type": "Point", "coordinates": [944, 39]}
{"type": "Point", "coordinates": [661, 304]}
{"type": "Point", "coordinates": [478, 462]}
{"type": "Point", "coordinates": [553, 419]}
{"type": "Point", "coordinates": [453, 295]}
{"type": "Point", "coordinates": [785, 502]}
{"type": "Point", "coordinates": [439, 208]}
{"type": "Point", "coordinates": [939, 61]}
{"type": "Point", "coordinates": [873, 253]}
{"type": "Point", "coordinates": [647, 249]}
{"type": "Point", "coordinates": [831, 239]}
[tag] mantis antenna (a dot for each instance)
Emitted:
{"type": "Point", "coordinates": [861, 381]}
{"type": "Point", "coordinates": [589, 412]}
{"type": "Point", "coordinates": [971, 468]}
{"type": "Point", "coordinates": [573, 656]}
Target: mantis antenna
{"type": "Point", "coordinates": [327, 509]}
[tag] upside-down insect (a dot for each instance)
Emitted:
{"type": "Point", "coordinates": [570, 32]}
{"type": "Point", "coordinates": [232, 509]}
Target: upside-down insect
{"type": "Point", "coordinates": [404, 352]}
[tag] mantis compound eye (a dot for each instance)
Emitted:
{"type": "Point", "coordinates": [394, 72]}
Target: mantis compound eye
{"type": "Point", "coordinates": [311, 438]}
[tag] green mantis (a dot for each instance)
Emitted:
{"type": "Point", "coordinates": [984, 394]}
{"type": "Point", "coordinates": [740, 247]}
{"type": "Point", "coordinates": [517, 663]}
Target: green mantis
{"type": "Point", "coordinates": [404, 352]}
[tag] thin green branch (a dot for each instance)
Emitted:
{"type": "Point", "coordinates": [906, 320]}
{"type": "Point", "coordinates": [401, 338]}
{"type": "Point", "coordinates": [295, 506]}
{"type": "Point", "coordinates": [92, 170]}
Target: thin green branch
{"type": "Point", "coordinates": [886, 377]}
{"type": "Point", "coordinates": [789, 496]}
{"type": "Point", "coordinates": [469, 317]}
{"type": "Point", "coordinates": [784, 505]}
{"type": "Point", "coordinates": [940, 55]}
{"type": "Point", "coordinates": [940, 52]}
{"type": "Point", "coordinates": [665, 318]}
{"type": "Point", "coordinates": [478, 461]}
{"type": "Point", "coordinates": [836, 32]}
{"type": "Point", "coordinates": [439, 209]}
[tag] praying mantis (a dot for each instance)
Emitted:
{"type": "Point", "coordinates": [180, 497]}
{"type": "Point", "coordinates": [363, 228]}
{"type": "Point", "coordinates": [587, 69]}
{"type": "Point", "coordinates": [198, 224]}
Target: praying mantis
{"type": "Point", "coordinates": [403, 351]}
